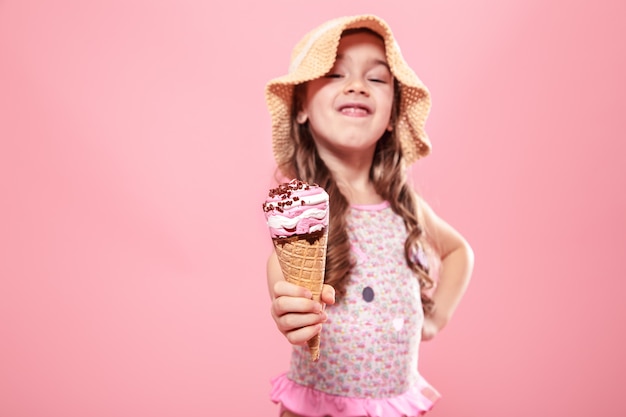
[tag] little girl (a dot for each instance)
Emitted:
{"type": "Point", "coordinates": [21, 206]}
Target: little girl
{"type": "Point", "coordinates": [350, 117]}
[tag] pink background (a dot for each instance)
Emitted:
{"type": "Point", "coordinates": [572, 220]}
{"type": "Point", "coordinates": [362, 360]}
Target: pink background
{"type": "Point", "coordinates": [135, 154]}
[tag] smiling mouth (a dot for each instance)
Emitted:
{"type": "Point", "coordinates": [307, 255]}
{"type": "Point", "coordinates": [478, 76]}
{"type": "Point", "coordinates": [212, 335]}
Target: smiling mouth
{"type": "Point", "coordinates": [353, 110]}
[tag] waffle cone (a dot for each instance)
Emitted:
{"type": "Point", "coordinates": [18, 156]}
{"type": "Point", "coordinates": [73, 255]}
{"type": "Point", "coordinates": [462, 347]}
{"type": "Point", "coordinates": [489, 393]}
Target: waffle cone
{"type": "Point", "coordinates": [302, 259]}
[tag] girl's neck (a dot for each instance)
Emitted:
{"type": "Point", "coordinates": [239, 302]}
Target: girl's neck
{"type": "Point", "coordinates": [359, 189]}
{"type": "Point", "coordinates": [353, 178]}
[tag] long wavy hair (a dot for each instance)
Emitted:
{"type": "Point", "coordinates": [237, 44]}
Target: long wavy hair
{"type": "Point", "coordinates": [388, 174]}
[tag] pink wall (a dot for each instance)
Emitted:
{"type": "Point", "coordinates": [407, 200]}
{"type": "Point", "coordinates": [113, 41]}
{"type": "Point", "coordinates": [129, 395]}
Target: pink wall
{"type": "Point", "coordinates": [134, 154]}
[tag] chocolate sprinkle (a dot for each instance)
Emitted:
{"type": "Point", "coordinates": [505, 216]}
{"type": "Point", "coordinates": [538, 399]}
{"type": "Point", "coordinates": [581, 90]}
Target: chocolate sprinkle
{"type": "Point", "coordinates": [284, 191]}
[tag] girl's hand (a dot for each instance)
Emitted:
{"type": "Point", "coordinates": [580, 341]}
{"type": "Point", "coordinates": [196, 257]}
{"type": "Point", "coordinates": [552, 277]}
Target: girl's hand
{"type": "Point", "coordinates": [429, 329]}
{"type": "Point", "coordinates": [297, 316]}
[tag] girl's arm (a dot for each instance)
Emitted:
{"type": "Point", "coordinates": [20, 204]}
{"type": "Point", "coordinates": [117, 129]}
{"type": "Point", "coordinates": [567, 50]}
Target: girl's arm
{"type": "Point", "coordinates": [457, 263]}
{"type": "Point", "coordinates": [297, 316]}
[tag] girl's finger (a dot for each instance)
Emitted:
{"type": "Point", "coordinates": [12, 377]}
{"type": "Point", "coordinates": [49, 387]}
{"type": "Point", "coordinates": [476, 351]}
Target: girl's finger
{"type": "Point", "coordinates": [291, 322]}
{"type": "Point", "coordinates": [328, 294]}
{"type": "Point", "coordinates": [302, 335]}
{"type": "Point", "coordinates": [282, 288]}
{"type": "Point", "coordinates": [284, 305]}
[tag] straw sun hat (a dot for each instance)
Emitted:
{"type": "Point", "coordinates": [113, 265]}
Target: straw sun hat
{"type": "Point", "coordinates": [315, 55]}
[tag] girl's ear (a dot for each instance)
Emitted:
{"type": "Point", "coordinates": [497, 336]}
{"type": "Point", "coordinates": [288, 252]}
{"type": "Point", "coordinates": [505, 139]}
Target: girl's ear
{"type": "Point", "coordinates": [390, 126]}
{"type": "Point", "coordinates": [302, 117]}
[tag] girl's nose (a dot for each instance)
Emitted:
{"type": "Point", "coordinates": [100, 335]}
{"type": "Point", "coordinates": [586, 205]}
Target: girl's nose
{"type": "Point", "coordinates": [356, 85]}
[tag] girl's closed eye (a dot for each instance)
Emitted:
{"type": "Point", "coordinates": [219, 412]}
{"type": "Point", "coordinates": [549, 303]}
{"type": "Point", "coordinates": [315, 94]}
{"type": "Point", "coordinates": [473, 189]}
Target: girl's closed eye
{"type": "Point", "coordinates": [379, 78]}
{"type": "Point", "coordinates": [333, 75]}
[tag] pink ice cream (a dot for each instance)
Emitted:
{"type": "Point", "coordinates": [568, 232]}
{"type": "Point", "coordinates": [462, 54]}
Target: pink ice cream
{"type": "Point", "coordinates": [296, 208]}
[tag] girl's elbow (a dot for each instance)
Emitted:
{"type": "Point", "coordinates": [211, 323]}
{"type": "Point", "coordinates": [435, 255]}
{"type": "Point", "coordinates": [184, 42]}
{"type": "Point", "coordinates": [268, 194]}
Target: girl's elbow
{"type": "Point", "coordinates": [469, 253]}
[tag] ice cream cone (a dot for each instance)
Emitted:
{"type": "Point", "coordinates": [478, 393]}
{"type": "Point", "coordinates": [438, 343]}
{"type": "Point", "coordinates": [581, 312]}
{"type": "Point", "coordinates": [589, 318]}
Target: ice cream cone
{"type": "Point", "coordinates": [302, 259]}
{"type": "Point", "coordinates": [297, 216]}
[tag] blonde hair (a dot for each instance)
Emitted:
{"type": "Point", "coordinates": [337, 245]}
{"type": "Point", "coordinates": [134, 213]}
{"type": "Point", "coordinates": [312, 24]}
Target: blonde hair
{"type": "Point", "coordinates": [389, 176]}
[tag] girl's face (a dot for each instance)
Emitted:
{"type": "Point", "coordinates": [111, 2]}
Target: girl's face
{"type": "Point", "coordinates": [349, 108]}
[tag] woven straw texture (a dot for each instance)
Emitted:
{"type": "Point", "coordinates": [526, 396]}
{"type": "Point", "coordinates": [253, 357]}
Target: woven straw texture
{"type": "Point", "coordinates": [302, 259]}
{"type": "Point", "coordinates": [315, 55]}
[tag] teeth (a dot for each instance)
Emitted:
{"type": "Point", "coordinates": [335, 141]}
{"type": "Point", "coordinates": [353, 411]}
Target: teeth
{"type": "Point", "coordinates": [356, 111]}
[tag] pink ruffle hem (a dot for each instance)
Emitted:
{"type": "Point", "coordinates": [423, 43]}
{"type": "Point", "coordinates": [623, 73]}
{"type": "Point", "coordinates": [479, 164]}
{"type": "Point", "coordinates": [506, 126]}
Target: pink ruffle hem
{"type": "Point", "coordinates": [310, 402]}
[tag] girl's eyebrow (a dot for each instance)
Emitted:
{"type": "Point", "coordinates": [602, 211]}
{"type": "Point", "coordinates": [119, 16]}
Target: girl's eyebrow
{"type": "Point", "coordinates": [374, 61]}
